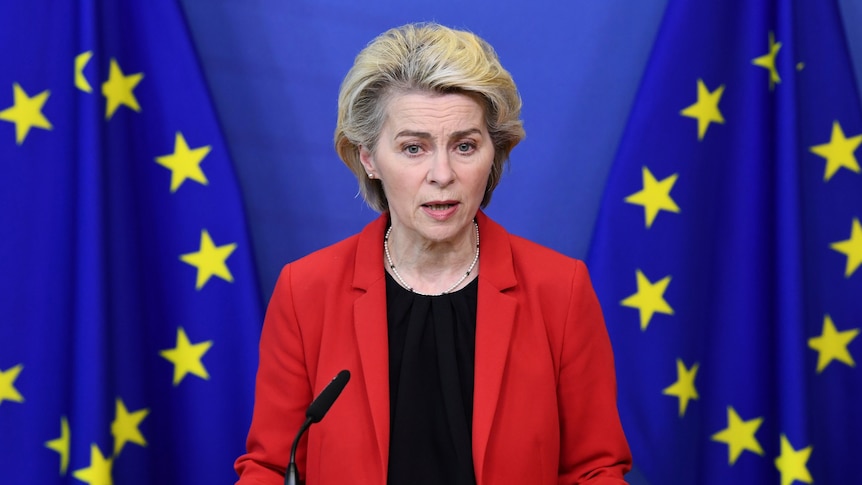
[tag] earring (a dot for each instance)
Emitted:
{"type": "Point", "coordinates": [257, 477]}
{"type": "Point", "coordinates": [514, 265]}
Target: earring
{"type": "Point", "coordinates": [370, 175]}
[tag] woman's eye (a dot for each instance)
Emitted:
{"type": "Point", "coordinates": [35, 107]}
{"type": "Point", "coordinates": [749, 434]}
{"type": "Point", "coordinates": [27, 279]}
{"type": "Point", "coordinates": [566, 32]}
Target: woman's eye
{"type": "Point", "coordinates": [412, 149]}
{"type": "Point", "coordinates": [465, 147]}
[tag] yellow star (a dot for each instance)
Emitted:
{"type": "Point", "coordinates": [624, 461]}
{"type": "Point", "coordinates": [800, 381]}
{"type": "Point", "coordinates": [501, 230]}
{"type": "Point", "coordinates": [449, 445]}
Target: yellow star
{"type": "Point", "coordinates": [683, 388]}
{"type": "Point", "coordinates": [26, 112]}
{"type": "Point", "coordinates": [184, 163]}
{"type": "Point", "coordinates": [649, 298]}
{"type": "Point", "coordinates": [210, 260]}
{"type": "Point", "coordinates": [832, 345]}
{"type": "Point", "coordinates": [125, 427]}
{"type": "Point", "coordinates": [839, 152]}
{"type": "Point", "coordinates": [767, 61]}
{"type": "Point", "coordinates": [792, 464]}
{"type": "Point", "coordinates": [62, 444]}
{"type": "Point", "coordinates": [739, 435]}
{"type": "Point", "coordinates": [118, 89]}
{"type": "Point", "coordinates": [81, 61]}
{"type": "Point", "coordinates": [654, 196]}
{"type": "Point", "coordinates": [852, 248]}
{"type": "Point", "coordinates": [7, 384]}
{"type": "Point", "coordinates": [705, 110]}
{"type": "Point", "coordinates": [186, 357]}
{"type": "Point", "coordinates": [99, 471]}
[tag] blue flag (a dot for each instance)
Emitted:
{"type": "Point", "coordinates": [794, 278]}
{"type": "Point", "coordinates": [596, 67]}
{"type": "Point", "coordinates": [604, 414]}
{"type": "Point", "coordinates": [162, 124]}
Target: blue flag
{"type": "Point", "coordinates": [728, 249]}
{"type": "Point", "coordinates": [129, 314]}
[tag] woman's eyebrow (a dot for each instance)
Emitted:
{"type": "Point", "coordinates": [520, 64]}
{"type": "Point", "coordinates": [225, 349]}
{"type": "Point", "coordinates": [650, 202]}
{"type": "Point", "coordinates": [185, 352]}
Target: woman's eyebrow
{"type": "Point", "coordinates": [424, 135]}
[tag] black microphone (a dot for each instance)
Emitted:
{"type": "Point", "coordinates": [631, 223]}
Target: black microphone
{"type": "Point", "coordinates": [315, 412]}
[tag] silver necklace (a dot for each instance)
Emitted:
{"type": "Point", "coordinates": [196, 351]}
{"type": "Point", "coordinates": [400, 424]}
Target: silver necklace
{"type": "Point", "coordinates": [410, 288]}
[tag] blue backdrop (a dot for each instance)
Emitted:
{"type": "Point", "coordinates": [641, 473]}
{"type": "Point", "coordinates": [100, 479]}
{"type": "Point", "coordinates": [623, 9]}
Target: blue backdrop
{"type": "Point", "coordinates": [274, 68]}
{"type": "Point", "coordinates": [133, 279]}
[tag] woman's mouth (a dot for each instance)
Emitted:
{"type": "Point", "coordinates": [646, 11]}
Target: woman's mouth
{"type": "Point", "coordinates": [438, 207]}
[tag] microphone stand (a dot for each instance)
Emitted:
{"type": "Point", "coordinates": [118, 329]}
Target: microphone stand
{"type": "Point", "coordinates": [315, 412]}
{"type": "Point", "coordinates": [292, 475]}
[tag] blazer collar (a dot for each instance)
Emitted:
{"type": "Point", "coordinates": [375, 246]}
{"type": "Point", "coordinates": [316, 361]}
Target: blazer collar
{"type": "Point", "coordinates": [368, 268]}
{"type": "Point", "coordinates": [495, 319]}
{"type": "Point", "coordinates": [372, 334]}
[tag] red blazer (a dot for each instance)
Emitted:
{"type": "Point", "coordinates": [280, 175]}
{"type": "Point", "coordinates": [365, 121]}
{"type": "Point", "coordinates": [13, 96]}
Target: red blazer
{"type": "Point", "coordinates": [544, 409]}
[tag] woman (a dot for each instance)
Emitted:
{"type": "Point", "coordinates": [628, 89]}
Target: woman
{"type": "Point", "coordinates": [476, 356]}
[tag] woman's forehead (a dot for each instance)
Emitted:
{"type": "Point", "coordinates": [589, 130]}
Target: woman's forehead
{"type": "Point", "coordinates": [418, 112]}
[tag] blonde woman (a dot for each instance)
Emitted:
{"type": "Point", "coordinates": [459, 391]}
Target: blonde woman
{"type": "Point", "coordinates": [477, 357]}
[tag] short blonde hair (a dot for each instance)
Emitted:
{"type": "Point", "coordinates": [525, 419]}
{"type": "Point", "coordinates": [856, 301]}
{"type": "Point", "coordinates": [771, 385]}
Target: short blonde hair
{"type": "Point", "coordinates": [431, 58]}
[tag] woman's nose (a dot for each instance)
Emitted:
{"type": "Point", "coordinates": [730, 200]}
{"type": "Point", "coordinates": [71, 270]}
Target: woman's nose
{"type": "Point", "coordinates": [440, 172]}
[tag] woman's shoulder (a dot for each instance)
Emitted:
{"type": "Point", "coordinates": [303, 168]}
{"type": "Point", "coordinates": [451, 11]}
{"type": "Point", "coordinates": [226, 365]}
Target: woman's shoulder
{"type": "Point", "coordinates": [336, 261]}
{"type": "Point", "coordinates": [327, 260]}
{"type": "Point", "coordinates": [537, 258]}
{"type": "Point", "coordinates": [516, 260]}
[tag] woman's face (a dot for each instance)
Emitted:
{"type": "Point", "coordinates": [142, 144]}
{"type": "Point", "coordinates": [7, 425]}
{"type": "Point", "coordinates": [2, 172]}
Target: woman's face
{"type": "Point", "coordinates": [433, 157]}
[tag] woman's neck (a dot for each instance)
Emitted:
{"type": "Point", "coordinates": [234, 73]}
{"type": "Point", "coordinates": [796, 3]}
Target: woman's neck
{"type": "Point", "coordinates": [432, 267]}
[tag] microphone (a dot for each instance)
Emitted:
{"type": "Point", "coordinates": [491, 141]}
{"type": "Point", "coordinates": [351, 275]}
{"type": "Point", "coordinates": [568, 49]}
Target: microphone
{"type": "Point", "coordinates": [315, 412]}
{"type": "Point", "coordinates": [324, 400]}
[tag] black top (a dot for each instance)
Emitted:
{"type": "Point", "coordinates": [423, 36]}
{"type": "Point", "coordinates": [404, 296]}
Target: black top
{"type": "Point", "coordinates": [431, 351]}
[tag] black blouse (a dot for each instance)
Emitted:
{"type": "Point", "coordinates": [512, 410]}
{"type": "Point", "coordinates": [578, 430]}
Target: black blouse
{"type": "Point", "coordinates": [431, 351]}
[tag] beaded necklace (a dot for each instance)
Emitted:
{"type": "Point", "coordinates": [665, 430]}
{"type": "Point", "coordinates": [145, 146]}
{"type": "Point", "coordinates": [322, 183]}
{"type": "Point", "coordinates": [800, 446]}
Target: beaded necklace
{"type": "Point", "coordinates": [410, 288]}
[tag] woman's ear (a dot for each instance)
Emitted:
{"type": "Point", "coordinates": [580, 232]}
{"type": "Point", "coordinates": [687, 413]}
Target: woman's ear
{"type": "Point", "coordinates": [366, 158]}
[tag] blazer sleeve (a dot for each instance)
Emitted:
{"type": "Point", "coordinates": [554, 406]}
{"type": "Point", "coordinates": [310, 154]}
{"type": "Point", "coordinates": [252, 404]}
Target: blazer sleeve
{"type": "Point", "coordinates": [282, 393]}
{"type": "Point", "coordinates": [593, 447]}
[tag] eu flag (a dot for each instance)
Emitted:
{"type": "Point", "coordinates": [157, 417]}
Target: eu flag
{"type": "Point", "coordinates": [129, 315]}
{"type": "Point", "coordinates": [728, 249]}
